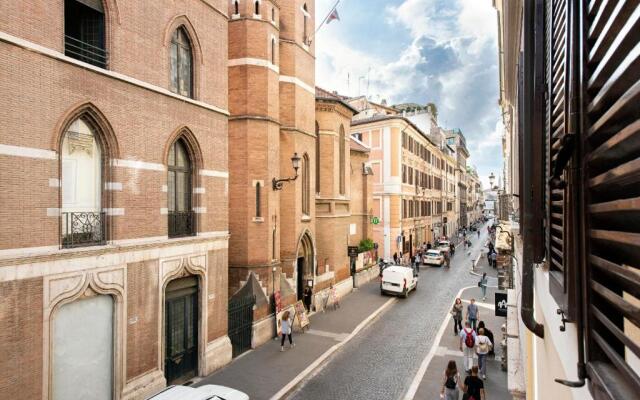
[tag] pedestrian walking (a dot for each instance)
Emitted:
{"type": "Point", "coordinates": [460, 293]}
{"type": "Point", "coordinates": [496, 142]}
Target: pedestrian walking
{"type": "Point", "coordinates": [483, 285]}
{"type": "Point", "coordinates": [494, 259]}
{"type": "Point", "coordinates": [473, 313]}
{"type": "Point", "coordinates": [447, 259]}
{"type": "Point", "coordinates": [473, 386]}
{"type": "Point", "coordinates": [429, 246]}
{"type": "Point", "coordinates": [467, 345]}
{"type": "Point", "coordinates": [335, 301]}
{"type": "Point", "coordinates": [488, 333]}
{"type": "Point", "coordinates": [478, 233]}
{"type": "Point", "coordinates": [483, 346]}
{"type": "Point", "coordinates": [395, 258]}
{"type": "Point", "coordinates": [286, 330]}
{"type": "Point", "coordinates": [306, 297]}
{"type": "Point", "coordinates": [416, 260]}
{"type": "Point", "coordinates": [451, 382]}
{"type": "Point", "coordinates": [456, 312]}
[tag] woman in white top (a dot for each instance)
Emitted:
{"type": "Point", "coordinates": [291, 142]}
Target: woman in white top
{"type": "Point", "coordinates": [286, 330]}
{"type": "Point", "coordinates": [483, 346]}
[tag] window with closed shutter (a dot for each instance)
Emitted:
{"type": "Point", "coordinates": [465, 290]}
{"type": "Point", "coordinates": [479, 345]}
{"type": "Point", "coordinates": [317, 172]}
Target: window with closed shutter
{"type": "Point", "coordinates": [558, 150]}
{"type": "Point", "coordinates": [611, 138]}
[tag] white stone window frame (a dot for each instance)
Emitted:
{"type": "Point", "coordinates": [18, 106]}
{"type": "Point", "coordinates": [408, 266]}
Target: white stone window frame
{"type": "Point", "coordinates": [235, 3]}
{"type": "Point", "coordinates": [257, 16]}
{"type": "Point", "coordinates": [306, 13]}
{"type": "Point", "coordinates": [272, 59]}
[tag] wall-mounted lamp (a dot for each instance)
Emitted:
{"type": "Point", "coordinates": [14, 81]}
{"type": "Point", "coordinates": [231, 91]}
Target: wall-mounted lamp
{"type": "Point", "coordinates": [278, 183]}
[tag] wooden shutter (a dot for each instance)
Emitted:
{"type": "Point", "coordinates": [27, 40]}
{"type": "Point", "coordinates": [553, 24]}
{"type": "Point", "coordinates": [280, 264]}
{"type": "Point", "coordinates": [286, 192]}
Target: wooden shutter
{"type": "Point", "coordinates": [559, 202]}
{"type": "Point", "coordinates": [611, 143]}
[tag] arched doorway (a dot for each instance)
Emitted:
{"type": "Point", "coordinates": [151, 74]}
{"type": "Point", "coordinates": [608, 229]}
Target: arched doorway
{"type": "Point", "coordinates": [181, 330]}
{"type": "Point", "coordinates": [305, 263]}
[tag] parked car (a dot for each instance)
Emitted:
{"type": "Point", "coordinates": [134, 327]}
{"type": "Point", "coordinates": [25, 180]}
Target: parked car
{"type": "Point", "coordinates": [205, 392]}
{"type": "Point", "coordinates": [399, 280]}
{"type": "Point", "coordinates": [433, 257]}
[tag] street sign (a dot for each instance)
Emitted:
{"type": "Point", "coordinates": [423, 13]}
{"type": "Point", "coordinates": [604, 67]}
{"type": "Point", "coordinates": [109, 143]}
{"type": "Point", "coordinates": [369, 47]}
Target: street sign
{"type": "Point", "coordinates": [352, 251]}
{"type": "Point", "coordinates": [501, 304]}
{"type": "Point", "coordinates": [375, 220]}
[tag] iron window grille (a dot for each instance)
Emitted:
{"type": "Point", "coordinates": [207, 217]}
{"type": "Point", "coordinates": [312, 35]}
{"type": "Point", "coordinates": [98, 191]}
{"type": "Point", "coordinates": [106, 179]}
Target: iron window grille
{"type": "Point", "coordinates": [181, 224]}
{"type": "Point", "coordinates": [83, 229]}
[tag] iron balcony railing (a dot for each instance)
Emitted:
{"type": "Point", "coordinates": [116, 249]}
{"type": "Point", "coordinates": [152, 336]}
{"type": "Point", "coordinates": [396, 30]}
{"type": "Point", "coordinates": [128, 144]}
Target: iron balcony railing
{"type": "Point", "coordinates": [181, 223]}
{"type": "Point", "coordinates": [83, 229]}
{"type": "Point", "coordinates": [86, 52]}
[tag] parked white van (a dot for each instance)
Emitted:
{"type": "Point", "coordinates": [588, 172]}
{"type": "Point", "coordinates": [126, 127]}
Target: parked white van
{"type": "Point", "coordinates": [204, 392]}
{"type": "Point", "coordinates": [397, 279]}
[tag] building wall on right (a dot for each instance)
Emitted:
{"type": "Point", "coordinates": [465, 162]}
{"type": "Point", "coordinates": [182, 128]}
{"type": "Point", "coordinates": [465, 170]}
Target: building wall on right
{"type": "Point", "coordinates": [569, 89]}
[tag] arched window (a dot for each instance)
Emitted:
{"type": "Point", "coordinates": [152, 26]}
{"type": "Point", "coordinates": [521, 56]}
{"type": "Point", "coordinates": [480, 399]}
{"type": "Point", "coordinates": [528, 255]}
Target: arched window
{"type": "Point", "coordinates": [305, 20]}
{"type": "Point", "coordinates": [317, 158]}
{"type": "Point", "coordinates": [84, 29]}
{"type": "Point", "coordinates": [83, 222]}
{"type": "Point", "coordinates": [273, 51]}
{"type": "Point", "coordinates": [257, 7]}
{"type": "Point", "coordinates": [342, 155]}
{"type": "Point", "coordinates": [306, 187]}
{"type": "Point", "coordinates": [273, 15]}
{"type": "Point", "coordinates": [236, 9]}
{"type": "Point", "coordinates": [181, 63]}
{"type": "Point", "coordinates": [181, 217]}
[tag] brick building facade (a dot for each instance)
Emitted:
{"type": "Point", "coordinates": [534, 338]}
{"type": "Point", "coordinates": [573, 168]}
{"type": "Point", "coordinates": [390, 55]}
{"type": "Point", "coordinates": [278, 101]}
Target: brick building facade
{"type": "Point", "coordinates": [114, 181]}
{"type": "Point", "coordinates": [272, 103]}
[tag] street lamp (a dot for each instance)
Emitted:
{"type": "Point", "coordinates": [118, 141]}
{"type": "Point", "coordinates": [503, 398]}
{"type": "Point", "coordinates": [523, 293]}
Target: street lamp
{"type": "Point", "coordinates": [492, 178]}
{"type": "Point", "coordinates": [278, 183]}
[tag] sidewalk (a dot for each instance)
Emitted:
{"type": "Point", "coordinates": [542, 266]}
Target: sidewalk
{"type": "Point", "coordinates": [449, 346]}
{"type": "Point", "coordinates": [264, 371]}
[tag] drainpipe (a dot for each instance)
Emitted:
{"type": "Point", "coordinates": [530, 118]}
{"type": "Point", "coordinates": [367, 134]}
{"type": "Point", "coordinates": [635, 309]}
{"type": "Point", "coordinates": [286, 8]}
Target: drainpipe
{"type": "Point", "coordinates": [529, 220]}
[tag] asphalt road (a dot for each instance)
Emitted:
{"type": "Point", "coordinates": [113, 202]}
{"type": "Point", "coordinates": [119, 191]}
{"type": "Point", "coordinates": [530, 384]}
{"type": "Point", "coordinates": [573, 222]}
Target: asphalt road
{"type": "Point", "coordinates": [381, 362]}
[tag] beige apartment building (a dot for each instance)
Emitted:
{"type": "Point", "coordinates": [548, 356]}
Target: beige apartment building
{"type": "Point", "coordinates": [114, 176]}
{"type": "Point", "coordinates": [408, 182]}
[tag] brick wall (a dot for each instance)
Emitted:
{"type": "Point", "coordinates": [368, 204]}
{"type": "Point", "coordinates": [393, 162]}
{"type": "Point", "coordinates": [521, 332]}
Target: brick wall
{"type": "Point", "coordinates": [21, 339]}
{"type": "Point", "coordinates": [142, 307]}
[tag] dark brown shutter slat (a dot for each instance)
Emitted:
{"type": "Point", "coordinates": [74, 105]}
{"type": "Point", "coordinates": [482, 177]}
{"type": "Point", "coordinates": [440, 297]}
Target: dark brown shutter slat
{"type": "Point", "coordinates": [619, 146]}
{"type": "Point", "coordinates": [616, 302]}
{"type": "Point", "coordinates": [625, 276]}
{"type": "Point", "coordinates": [615, 21]}
{"type": "Point", "coordinates": [599, 315]}
{"type": "Point", "coordinates": [625, 174]}
{"type": "Point", "coordinates": [602, 10]}
{"type": "Point", "coordinates": [618, 361]}
{"type": "Point", "coordinates": [627, 102]}
{"type": "Point", "coordinates": [616, 237]}
{"type": "Point", "coordinates": [618, 206]}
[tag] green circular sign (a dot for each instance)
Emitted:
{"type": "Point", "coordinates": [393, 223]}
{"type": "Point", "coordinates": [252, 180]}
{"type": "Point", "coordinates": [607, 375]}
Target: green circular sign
{"type": "Point", "coordinates": [375, 220]}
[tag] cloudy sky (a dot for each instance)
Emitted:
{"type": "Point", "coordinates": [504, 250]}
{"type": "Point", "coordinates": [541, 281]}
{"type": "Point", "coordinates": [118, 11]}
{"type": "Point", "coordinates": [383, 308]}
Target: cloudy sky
{"type": "Point", "coordinates": [441, 51]}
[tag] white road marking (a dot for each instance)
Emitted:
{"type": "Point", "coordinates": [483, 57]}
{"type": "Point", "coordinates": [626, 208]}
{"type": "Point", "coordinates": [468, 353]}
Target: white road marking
{"type": "Point", "coordinates": [335, 336]}
{"type": "Point", "coordinates": [415, 384]}
{"type": "Point", "coordinates": [312, 367]}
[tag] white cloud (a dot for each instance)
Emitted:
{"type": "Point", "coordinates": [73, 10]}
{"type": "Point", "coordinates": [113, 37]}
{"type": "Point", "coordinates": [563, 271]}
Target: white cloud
{"type": "Point", "coordinates": [450, 58]}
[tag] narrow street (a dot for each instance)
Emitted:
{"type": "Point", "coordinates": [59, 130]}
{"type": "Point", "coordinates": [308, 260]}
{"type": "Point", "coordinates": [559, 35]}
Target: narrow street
{"type": "Point", "coordinates": [383, 360]}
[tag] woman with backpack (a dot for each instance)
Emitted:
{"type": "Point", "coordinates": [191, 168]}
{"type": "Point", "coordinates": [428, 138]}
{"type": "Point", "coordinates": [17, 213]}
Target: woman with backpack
{"type": "Point", "coordinates": [286, 330]}
{"type": "Point", "coordinates": [483, 285]}
{"type": "Point", "coordinates": [451, 382]}
{"type": "Point", "coordinates": [483, 346]}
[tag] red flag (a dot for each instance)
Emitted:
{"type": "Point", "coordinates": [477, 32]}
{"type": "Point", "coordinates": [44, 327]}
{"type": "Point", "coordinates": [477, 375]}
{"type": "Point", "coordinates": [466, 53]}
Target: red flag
{"type": "Point", "coordinates": [333, 15]}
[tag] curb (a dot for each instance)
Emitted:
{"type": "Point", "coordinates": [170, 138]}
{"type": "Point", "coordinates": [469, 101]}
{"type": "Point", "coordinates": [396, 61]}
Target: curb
{"type": "Point", "coordinates": [417, 380]}
{"type": "Point", "coordinates": [311, 368]}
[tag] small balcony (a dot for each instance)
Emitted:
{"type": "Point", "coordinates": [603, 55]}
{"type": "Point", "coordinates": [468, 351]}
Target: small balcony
{"type": "Point", "coordinates": [86, 52]}
{"type": "Point", "coordinates": [181, 224]}
{"type": "Point", "coordinates": [83, 229]}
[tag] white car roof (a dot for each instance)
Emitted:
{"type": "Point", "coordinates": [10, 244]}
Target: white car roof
{"type": "Point", "coordinates": [397, 268]}
{"type": "Point", "coordinates": [434, 251]}
{"type": "Point", "coordinates": [205, 392]}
